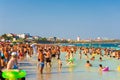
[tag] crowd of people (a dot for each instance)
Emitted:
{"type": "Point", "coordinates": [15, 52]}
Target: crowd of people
{"type": "Point", "coordinates": [89, 54]}
{"type": "Point", "coordinates": [11, 53]}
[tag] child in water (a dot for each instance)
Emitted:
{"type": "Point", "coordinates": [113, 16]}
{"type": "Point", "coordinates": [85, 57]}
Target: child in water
{"type": "Point", "coordinates": [88, 64]}
{"type": "Point", "coordinates": [100, 67]}
{"type": "Point", "coordinates": [100, 59]}
{"type": "Point", "coordinates": [59, 63]}
{"type": "Point", "coordinates": [93, 58]}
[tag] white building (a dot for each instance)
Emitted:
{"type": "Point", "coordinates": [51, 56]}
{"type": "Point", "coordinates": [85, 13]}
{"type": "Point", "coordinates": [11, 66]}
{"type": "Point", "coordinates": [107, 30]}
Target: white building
{"type": "Point", "coordinates": [9, 35]}
{"type": "Point", "coordinates": [2, 39]}
{"type": "Point", "coordinates": [69, 39]}
{"type": "Point", "coordinates": [36, 37]}
{"type": "Point", "coordinates": [52, 38]}
{"type": "Point", "coordinates": [25, 35]}
{"type": "Point", "coordinates": [14, 39]}
{"type": "Point", "coordinates": [99, 39]}
{"type": "Point", "coordinates": [78, 38]}
{"type": "Point", "coordinates": [21, 35]}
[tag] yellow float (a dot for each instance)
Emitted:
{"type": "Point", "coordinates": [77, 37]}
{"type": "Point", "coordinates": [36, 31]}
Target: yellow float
{"type": "Point", "coordinates": [118, 68]}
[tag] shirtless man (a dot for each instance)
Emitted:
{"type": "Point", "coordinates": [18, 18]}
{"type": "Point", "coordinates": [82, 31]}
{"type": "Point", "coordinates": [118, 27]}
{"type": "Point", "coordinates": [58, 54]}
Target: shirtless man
{"type": "Point", "coordinates": [41, 60]}
{"type": "Point", "coordinates": [12, 64]}
{"type": "Point", "coordinates": [48, 58]}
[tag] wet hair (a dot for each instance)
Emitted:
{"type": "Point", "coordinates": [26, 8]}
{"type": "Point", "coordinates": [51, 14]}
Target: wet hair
{"type": "Point", "coordinates": [100, 65]}
{"type": "Point", "coordinates": [87, 61]}
{"type": "Point", "coordinates": [40, 50]}
{"type": "Point", "coordinates": [100, 58]}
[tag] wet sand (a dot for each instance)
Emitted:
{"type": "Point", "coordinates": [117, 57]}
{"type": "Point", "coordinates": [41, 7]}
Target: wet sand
{"type": "Point", "coordinates": [76, 72]}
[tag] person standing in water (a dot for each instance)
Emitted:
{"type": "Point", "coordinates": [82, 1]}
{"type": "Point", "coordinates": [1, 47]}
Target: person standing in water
{"type": "Point", "coordinates": [48, 58]}
{"type": "Point", "coordinates": [41, 60]}
{"type": "Point", "coordinates": [80, 53]}
{"type": "Point", "coordinates": [59, 63]}
{"type": "Point", "coordinates": [12, 64]}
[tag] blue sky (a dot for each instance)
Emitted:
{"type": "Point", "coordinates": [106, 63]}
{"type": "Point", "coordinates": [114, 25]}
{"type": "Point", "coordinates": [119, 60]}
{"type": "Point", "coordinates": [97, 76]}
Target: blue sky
{"type": "Point", "coordinates": [61, 18]}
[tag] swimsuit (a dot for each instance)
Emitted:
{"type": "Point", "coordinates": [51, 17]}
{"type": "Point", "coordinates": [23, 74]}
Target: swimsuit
{"type": "Point", "coordinates": [15, 67]}
{"type": "Point", "coordinates": [42, 64]}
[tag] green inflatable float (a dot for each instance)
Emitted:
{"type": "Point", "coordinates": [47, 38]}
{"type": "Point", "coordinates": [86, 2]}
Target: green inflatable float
{"type": "Point", "coordinates": [13, 74]}
{"type": "Point", "coordinates": [71, 59]}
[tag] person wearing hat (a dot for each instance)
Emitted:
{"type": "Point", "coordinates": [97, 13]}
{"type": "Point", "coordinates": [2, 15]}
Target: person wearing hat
{"type": "Point", "coordinates": [12, 64]}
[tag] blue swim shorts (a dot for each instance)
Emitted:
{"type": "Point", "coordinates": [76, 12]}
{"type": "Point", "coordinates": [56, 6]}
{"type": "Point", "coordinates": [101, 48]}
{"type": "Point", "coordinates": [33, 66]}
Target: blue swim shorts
{"type": "Point", "coordinates": [42, 64]}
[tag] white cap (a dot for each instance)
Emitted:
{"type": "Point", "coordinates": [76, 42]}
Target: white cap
{"type": "Point", "coordinates": [13, 54]}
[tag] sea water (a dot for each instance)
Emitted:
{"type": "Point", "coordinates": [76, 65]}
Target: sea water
{"type": "Point", "coordinates": [74, 72]}
{"type": "Point", "coordinates": [77, 71]}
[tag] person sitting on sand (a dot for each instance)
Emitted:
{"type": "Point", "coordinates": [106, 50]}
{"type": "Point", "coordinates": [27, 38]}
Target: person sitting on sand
{"type": "Point", "coordinates": [88, 64]}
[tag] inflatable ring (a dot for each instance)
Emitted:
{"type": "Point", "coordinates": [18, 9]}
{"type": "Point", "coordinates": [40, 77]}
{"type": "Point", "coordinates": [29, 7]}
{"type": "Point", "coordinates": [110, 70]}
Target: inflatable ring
{"type": "Point", "coordinates": [71, 59]}
{"type": "Point", "coordinates": [105, 69]}
{"type": "Point", "coordinates": [13, 74]}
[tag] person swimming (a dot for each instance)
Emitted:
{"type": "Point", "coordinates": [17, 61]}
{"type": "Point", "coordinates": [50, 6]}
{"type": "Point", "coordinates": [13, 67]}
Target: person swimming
{"type": "Point", "coordinates": [93, 58]}
{"type": "Point", "coordinates": [100, 58]}
{"type": "Point", "coordinates": [100, 67]}
{"type": "Point", "coordinates": [88, 64]}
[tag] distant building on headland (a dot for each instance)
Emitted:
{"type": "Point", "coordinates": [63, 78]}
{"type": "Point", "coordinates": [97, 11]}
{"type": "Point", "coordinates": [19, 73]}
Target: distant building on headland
{"type": "Point", "coordinates": [69, 40]}
{"type": "Point", "coordinates": [25, 35]}
{"type": "Point", "coordinates": [9, 35]}
{"type": "Point", "coordinates": [99, 39]}
{"type": "Point", "coordinates": [36, 37]}
{"type": "Point", "coordinates": [52, 38]}
{"type": "Point", "coordinates": [78, 38]}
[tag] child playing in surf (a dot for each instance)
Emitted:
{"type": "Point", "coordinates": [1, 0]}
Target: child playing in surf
{"type": "Point", "coordinates": [88, 64]}
{"type": "Point", "coordinates": [100, 59]}
{"type": "Point", "coordinates": [100, 67]}
{"type": "Point", "coordinates": [59, 63]}
{"type": "Point", "coordinates": [93, 58]}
